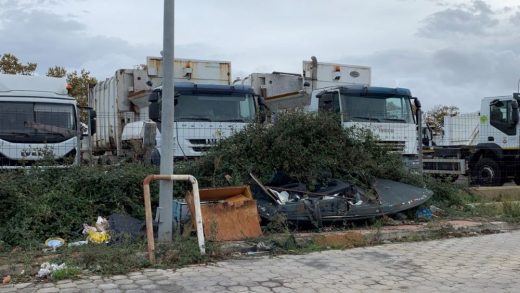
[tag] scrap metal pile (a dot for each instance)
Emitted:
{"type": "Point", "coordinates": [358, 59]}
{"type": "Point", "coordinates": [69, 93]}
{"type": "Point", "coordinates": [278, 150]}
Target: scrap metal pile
{"type": "Point", "coordinates": [334, 200]}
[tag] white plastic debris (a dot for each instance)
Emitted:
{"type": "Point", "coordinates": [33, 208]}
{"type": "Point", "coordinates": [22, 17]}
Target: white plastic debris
{"type": "Point", "coordinates": [78, 243]}
{"type": "Point", "coordinates": [101, 224]}
{"type": "Point", "coordinates": [46, 269]}
{"type": "Point", "coordinates": [282, 195]}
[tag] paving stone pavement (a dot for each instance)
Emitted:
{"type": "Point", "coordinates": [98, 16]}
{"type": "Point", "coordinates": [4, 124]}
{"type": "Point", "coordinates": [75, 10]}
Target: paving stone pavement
{"type": "Point", "coordinates": [488, 263]}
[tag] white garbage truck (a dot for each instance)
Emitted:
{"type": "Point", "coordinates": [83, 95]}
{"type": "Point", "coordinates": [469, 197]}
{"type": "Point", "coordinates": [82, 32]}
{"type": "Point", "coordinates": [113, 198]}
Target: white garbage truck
{"type": "Point", "coordinates": [346, 90]}
{"type": "Point", "coordinates": [207, 108]}
{"type": "Point", "coordinates": [490, 152]}
{"type": "Point", "coordinates": [39, 122]}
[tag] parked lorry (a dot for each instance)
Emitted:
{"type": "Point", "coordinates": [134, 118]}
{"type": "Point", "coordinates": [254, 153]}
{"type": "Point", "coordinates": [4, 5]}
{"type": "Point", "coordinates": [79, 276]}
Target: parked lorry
{"type": "Point", "coordinates": [491, 154]}
{"type": "Point", "coordinates": [39, 122]}
{"type": "Point", "coordinates": [346, 90]}
{"type": "Point", "coordinates": [204, 114]}
{"type": "Point", "coordinates": [207, 108]}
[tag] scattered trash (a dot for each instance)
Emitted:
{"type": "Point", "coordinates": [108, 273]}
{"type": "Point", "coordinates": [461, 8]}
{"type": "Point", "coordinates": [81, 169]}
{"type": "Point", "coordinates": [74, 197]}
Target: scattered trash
{"type": "Point", "coordinates": [334, 199]}
{"type": "Point", "coordinates": [400, 216]}
{"type": "Point", "coordinates": [256, 252]}
{"type": "Point", "coordinates": [262, 246]}
{"type": "Point", "coordinates": [54, 243]}
{"type": "Point", "coordinates": [390, 222]}
{"type": "Point", "coordinates": [99, 233]}
{"type": "Point", "coordinates": [121, 225]}
{"type": "Point", "coordinates": [6, 280]}
{"type": "Point", "coordinates": [424, 214]}
{"type": "Point", "coordinates": [78, 243]}
{"type": "Point", "coordinates": [228, 213]}
{"type": "Point", "coordinates": [438, 212]}
{"type": "Point", "coordinates": [46, 269]}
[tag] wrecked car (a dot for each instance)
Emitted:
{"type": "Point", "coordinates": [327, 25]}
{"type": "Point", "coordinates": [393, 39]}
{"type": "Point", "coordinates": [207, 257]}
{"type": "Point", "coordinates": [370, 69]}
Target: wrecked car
{"type": "Point", "coordinates": [336, 200]}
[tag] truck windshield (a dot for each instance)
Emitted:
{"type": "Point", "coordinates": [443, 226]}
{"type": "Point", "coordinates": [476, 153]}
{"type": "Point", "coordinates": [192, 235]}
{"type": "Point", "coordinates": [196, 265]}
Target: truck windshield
{"type": "Point", "coordinates": [26, 122]}
{"type": "Point", "coordinates": [377, 109]}
{"type": "Point", "coordinates": [214, 108]}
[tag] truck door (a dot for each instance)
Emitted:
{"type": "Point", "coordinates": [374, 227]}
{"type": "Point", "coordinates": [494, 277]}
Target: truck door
{"type": "Point", "coordinates": [329, 102]}
{"type": "Point", "coordinates": [503, 130]}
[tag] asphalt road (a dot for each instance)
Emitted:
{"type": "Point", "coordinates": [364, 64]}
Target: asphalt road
{"type": "Point", "coordinates": [488, 263]}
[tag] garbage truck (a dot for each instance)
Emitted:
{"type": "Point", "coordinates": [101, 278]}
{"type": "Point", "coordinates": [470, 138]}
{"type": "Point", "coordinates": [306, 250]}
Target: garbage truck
{"type": "Point", "coordinates": [204, 114]}
{"type": "Point", "coordinates": [39, 122]}
{"type": "Point", "coordinates": [490, 155]}
{"type": "Point", "coordinates": [346, 90]}
{"type": "Point", "coordinates": [207, 108]}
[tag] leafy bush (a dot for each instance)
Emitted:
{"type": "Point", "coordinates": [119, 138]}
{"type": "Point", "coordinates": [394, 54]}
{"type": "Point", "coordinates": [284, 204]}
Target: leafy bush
{"type": "Point", "coordinates": [303, 145]}
{"type": "Point", "coordinates": [38, 204]}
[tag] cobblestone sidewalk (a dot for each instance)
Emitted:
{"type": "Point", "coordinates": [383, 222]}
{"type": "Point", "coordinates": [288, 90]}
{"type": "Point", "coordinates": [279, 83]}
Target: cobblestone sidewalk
{"type": "Point", "coordinates": [488, 263]}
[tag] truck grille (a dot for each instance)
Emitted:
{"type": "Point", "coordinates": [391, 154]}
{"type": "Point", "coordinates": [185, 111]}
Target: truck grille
{"type": "Point", "coordinates": [202, 145]}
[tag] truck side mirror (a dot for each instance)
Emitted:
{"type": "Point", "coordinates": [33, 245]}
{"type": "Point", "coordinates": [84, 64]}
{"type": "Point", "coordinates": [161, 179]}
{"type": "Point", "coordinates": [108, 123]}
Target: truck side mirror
{"type": "Point", "coordinates": [514, 105]}
{"type": "Point", "coordinates": [154, 109]}
{"type": "Point", "coordinates": [93, 121]}
{"type": "Point", "coordinates": [417, 105]}
{"type": "Point", "coordinates": [262, 109]}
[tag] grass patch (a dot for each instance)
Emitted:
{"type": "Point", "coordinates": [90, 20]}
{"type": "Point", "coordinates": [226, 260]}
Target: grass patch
{"type": "Point", "coordinates": [66, 273]}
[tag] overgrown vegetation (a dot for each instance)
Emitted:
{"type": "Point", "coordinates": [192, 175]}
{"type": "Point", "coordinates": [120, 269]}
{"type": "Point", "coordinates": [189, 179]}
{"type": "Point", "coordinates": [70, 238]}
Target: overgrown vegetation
{"type": "Point", "coordinates": [38, 204]}
{"type": "Point", "coordinates": [42, 203]}
{"type": "Point", "coordinates": [305, 146]}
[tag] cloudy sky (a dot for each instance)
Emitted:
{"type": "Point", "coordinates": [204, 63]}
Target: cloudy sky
{"type": "Point", "coordinates": [446, 51]}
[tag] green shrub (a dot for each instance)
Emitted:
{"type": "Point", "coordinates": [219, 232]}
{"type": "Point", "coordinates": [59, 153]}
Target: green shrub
{"type": "Point", "coordinates": [303, 145]}
{"type": "Point", "coordinates": [39, 204]}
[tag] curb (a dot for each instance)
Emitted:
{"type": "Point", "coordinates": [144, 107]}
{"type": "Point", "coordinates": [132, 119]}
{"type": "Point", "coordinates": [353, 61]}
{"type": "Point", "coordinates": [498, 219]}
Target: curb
{"type": "Point", "coordinates": [368, 237]}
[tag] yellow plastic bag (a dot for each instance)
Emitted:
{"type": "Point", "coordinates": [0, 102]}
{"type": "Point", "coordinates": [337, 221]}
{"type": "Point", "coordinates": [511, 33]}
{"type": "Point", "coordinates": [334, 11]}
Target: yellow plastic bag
{"type": "Point", "coordinates": [97, 237]}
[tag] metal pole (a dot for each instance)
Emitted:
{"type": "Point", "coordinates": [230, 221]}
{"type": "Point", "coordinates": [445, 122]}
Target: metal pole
{"type": "Point", "coordinates": [419, 139]}
{"type": "Point", "coordinates": [166, 187]}
{"type": "Point", "coordinates": [91, 160]}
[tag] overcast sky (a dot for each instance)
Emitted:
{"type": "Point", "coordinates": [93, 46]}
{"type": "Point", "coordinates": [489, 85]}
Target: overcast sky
{"type": "Point", "coordinates": [447, 52]}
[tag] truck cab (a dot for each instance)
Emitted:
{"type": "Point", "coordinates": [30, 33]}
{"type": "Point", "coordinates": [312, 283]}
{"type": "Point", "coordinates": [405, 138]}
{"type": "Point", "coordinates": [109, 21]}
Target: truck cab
{"type": "Point", "coordinates": [38, 121]}
{"type": "Point", "coordinates": [386, 112]}
{"type": "Point", "coordinates": [344, 89]}
{"type": "Point", "coordinates": [204, 114]}
{"type": "Point", "coordinates": [496, 156]}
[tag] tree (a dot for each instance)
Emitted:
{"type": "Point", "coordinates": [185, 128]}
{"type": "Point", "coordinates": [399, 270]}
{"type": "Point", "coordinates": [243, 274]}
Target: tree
{"type": "Point", "coordinates": [9, 64]}
{"type": "Point", "coordinates": [80, 84]}
{"type": "Point", "coordinates": [435, 117]}
{"type": "Point", "coordinates": [56, 71]}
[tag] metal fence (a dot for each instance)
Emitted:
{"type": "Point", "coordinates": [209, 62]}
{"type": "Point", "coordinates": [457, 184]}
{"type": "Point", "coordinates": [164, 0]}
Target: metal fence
{"type": "Point", "coordinates": [32, 133]}
{"type": "Point", "coordinates": [484, 147]}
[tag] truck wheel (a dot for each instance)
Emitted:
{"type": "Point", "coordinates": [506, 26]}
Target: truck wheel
{"type": "Point", "coordinates": [487, 173]}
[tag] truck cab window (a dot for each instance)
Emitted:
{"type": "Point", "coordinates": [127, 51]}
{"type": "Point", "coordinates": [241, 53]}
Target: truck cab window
{"type": "Point", "coordinates": [500, 113]}
{"type": "Point", "coordinates": [329, 102]}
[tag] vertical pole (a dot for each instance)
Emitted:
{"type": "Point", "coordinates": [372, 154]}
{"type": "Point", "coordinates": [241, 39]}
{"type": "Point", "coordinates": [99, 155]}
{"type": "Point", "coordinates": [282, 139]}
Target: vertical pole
{"type": "Point", "coordinates": [419, 139]}
{"type": "Point", "coordinates": [89, 105]}
{"type": "Point", "coordinates": [166, 187]}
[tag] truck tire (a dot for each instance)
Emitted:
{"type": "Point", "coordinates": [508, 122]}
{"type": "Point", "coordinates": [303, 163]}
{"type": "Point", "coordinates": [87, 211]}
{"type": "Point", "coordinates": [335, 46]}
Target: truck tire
{"type": "Point", "coordinates": [486, 172]}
